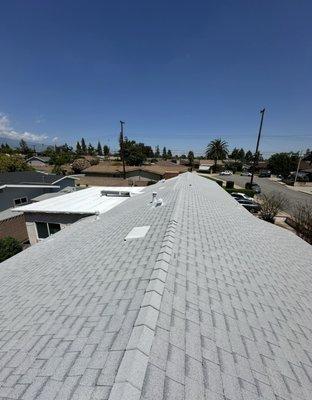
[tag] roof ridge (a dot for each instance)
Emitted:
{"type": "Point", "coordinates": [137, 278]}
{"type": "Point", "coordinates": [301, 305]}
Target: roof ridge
{"type": "Point", "coordinates": [133, 366]}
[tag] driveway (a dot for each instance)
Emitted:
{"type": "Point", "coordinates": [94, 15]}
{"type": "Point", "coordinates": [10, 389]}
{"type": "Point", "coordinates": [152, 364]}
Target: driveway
{"type": "Point", "coordinates": [268, 186]}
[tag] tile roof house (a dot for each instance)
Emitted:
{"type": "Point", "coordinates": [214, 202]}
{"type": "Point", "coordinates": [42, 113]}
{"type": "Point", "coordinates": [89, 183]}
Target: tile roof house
{"type": "Point", "coordinates": [208, 303]}
{"type": "Point", "coordinates": [152, 172]}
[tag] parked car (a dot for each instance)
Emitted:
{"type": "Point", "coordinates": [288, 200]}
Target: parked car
{"type": "Point", "coordinates": [251, 206]}
{"type": "Point", "coordinates": [245, 173]}
{"type": "Point", "coordinates": [255, 187]}
{"type": "Point", "coordinates": [226, 173]}
{"type": "Point", "coordinates": [265, 174]}
{"type": "Point", "coordinates": [239, 195]}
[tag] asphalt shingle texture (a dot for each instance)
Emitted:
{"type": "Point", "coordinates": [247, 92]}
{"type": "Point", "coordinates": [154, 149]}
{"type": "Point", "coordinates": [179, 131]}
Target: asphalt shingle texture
{"type": "Point", "coordinates": [211, 304]}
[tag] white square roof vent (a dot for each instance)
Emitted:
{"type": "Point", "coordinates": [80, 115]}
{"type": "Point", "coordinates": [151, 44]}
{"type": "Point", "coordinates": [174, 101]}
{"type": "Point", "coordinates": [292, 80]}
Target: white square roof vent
{"type": "Point", "coordinates": [137, 232]}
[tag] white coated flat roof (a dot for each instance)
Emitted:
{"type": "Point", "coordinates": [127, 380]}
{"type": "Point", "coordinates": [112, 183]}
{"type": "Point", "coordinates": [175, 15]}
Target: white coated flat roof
{"type": "Point", "coordinates": [86, 201]}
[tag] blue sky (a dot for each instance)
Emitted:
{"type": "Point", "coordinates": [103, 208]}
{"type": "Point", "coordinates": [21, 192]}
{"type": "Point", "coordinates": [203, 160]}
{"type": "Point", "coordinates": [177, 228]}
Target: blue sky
{"type": "Point", "coordinates": [179, 73]}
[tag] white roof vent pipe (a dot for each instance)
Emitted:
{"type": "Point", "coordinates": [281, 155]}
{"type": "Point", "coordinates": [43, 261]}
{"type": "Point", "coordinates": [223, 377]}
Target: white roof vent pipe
{"type": "Point", "coordinates": [156, 202]}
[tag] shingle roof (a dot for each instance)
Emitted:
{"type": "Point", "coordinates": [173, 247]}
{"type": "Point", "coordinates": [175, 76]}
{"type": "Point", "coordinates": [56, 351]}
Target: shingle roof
{"type": "Point", "coordinates": [212, 304]}
{"type": "Point", "coordinates": [28, 178]}
{"type": "Point", "coordinates": [159, 168]}
{"type": "Point", "coordinates": [41, 158]}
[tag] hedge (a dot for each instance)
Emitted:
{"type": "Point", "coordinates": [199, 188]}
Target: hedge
{"type": "Point", "coordinates": [229, 185]}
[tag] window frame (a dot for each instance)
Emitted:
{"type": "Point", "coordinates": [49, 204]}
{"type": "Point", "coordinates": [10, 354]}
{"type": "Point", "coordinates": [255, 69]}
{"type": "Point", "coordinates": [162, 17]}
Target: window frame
{"type": "Point", "coordinates": [20, 199]}
{"type": "Point", "coordinates": [48, 229]}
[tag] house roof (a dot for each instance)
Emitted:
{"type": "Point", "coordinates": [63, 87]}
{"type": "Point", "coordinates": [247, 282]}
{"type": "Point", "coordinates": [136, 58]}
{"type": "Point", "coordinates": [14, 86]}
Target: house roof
{"type": "Point", "coordinates": [49, 195]}
{"type": "Point", "coordinates": [210, 162]}
{"type": "Point", "coordinates": [41, 158]}
{"type": "Point", "coordinates": [212, 303]}
{"type": "Point", "coordinates": [85, 201]}
{"type": "Point", "coordinates": [30, 178]}
{"type": "Point", "coordinates": [159, 168]}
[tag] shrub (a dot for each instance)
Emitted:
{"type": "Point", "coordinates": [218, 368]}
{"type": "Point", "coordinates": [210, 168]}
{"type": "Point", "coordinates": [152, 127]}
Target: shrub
{"type": "Point", "coordinates": [94, 161]}
{"type": "Point", "coordinates": [234, 166]}
{"type": "Point", "coordinates": [80, 164]}
{"type": "Point", "coordinates": [271, 204]}
{"type": "Point", "coordinates": [58, 169]}
{"type": "Point", "coordinates": [9, 247]}
{"type": "Point", "coordinates": [302, 221]}
{"type": "Point", "coordinates": [229, 185]}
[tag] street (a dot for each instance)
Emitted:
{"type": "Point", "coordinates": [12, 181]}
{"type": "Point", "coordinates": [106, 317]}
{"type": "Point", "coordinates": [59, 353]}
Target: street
{"type": "Point", "coordinates": [267, 186]}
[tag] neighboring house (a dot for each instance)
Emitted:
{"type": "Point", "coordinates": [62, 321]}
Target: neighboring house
{"type": "Point", "coordinates": [13, 224]}
{"type": "Point", "coordinates": [18, 188]}
{"type": "Point", "coordinates": [194, 299]}
{"type": "Point", "coordinates": [38, 161]}
{"type": "Point", "coordinates": [47, 217]}
{"type": "Point", "coordinates": [145, 173]}
{"type": "Point", "coordinates": [205, 166]}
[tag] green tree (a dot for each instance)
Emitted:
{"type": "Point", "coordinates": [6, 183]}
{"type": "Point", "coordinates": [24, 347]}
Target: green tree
{"type": "Point", "coordinates": [106, 150]}
{"type": "Point", "coordinates": [217, 149]}
{"type": "Point", "coordinates": [164, 153]}
{"type": "Point", "coordinates": [99, 149]}
{"type": "Point", "coordinates": [241, 155]}
{"type": "Point", "coordinates": [248, 156]}
{"type": "Point", "coordinates": [169, 154]}
{"type": "Point", "coordinates": [283, 163]}
{"type": "Point", "coordinates": [235, 154]}
{"type": "Point", "coordinates": [83, 147]}
{"type": "Point", "coordinates": [60, 155]}
{"type": "Point", "coordinates": [6, 149]}
{"type": "Point", "coordinates": [91, 150]}
{"type": "Point", "coordinates": [78, 149]}
{"type": "Point", "coordinates": [157, 152]}
{"type": "Point", "coordinates": [13, 163]}
{"type": "Point", "coordinates": [308, 156]}
{"type": "Point", "coordinates": [190, 157]}
{"type": "Point", "coordinates": [133, 152]}
{"type": "Point", "coordinates": [24, 149]}
{"type": "Point", "coordinates": [9, 246]}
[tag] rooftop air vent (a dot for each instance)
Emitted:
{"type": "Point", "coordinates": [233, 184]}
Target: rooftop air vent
{"type": "Point", "coordinates": [115, 193]}
{"type": "Point", "coordinates": [137, 232]}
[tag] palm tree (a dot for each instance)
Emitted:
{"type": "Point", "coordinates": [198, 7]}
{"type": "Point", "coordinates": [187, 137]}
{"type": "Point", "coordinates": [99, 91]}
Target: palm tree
{"type": "Point", "coordinates": [217, 149]}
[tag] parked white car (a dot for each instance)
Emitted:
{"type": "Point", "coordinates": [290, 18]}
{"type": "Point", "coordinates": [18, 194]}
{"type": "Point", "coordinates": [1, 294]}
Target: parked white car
{"type": "Point", "coordinates": [241, 196]}
{"type": "Point", "coordinates": [245, 173]}
{"type": "Point", "coordinates": [226, 173]}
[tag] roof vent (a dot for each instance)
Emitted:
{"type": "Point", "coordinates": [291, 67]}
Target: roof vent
{"type": "Point", "coordinates": [156, 202]}
{"type": "Point", "coordinates": [115, 193]}
{"type": "Point", "coordinates": [137, 232]}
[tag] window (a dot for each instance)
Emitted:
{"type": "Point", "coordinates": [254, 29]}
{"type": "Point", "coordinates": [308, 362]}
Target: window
{"type": "Point", "coordinates": [53, 228]}
{"type": "Point", "coordinates": [20, 201]}
{"type": "Point", "coordinates": [42, 230]}
{"type": "Point", "coordinates": [45, 229]}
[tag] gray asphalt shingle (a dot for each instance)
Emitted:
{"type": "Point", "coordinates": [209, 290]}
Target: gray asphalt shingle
{"type": "Point", "coordinates": [211, 304]}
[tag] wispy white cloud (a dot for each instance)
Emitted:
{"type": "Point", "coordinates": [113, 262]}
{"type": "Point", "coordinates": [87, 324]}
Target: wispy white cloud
{"type": "Point", "coordinates": [40, 119]}
{"type": "Point", "coordinates": [6, 131]}
{"type": "Point", "coordinates": [55, 139]}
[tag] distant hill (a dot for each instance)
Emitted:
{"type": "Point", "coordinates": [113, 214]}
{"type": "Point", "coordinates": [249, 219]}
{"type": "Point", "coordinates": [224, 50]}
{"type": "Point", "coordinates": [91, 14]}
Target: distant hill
{"type": "Point", "coordinates": [15, 143]}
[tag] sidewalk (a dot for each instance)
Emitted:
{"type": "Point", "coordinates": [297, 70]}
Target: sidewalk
{"type": "Point", "coordinates": [302, 189]}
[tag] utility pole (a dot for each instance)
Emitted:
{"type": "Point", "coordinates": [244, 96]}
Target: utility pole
{"type": "Point", "coordinates": [257, 147]}
{"type": "Point", "coordinates": [298, 166]}
{"type": "Point", "coordinates": [122, 149]}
